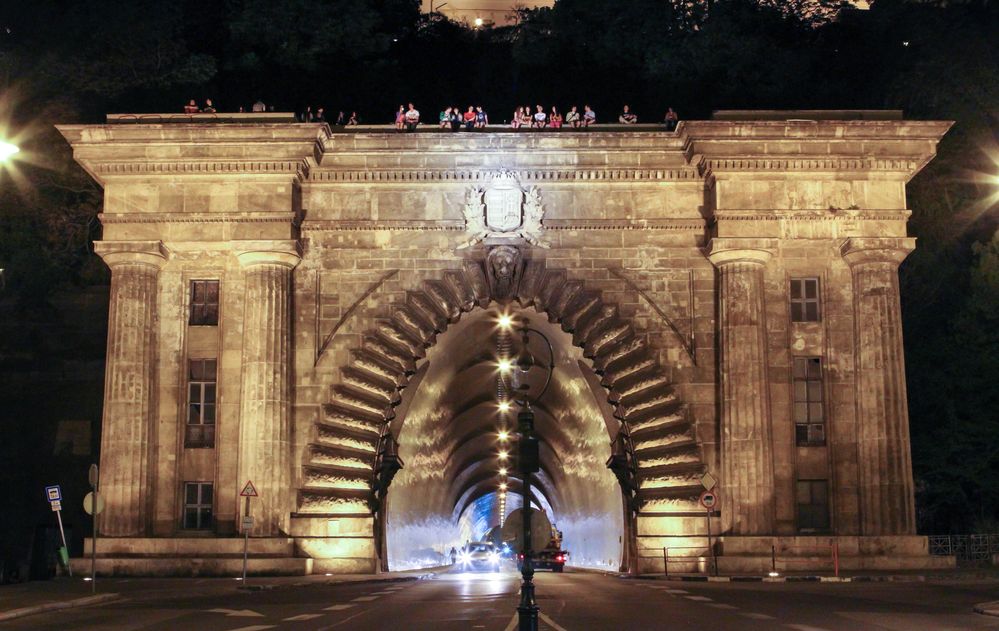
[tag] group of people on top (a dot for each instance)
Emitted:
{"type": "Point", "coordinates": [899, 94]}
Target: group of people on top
{"type": "Point", "coordinates": [453, 118]}
{"type": "Point", "coordinates": [539, 119]}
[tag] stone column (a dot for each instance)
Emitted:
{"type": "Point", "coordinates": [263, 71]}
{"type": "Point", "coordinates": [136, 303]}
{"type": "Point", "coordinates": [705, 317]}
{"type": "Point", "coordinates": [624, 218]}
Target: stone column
{"type": "Point", "coordinates": [747, 468]}
{"type": "Point", "coordinates": [129, 385]}
{"type": "Point", "coordinates": [887, 506]}
{"type": "Point", "coordinates": [264, 419]}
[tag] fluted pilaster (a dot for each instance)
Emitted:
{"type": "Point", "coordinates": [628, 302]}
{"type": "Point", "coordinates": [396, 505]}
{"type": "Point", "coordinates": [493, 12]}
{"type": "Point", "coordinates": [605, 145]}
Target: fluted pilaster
{"type": "Point", "coordinates": [747, 476]}
{"type": "Point", "coordinates": [264, 431]}
{"type": "Point", "coordinates": [887, 505]}
{"type": "Point", "coordinates": [128, 384]}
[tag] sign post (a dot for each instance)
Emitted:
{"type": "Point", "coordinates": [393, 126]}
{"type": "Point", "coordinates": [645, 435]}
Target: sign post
{"type": "Point", "coordinates": [94, 478]}
{"type": "Point", "coordinates": [247, 523]}
{"type": "Point", "coordinates": [54, 495]}
{"type": "Point", "coordinates": [708, 500]}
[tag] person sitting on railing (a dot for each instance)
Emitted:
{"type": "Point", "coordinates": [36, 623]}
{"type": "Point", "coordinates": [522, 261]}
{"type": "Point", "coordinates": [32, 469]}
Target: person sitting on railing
{"type": "Point", "coordinates": [445, 118]}
{"type": "Point", "coordinates": [481, 118]}
{"type": "Point", "coordinates": [400, 118]}
{"type": "Point", "coordinates": [353, 120]}
{"type": "Point", "coordinates": [412, 118]}
{"type": "Point", "coordinates": [469, 118]}
{"type": "Point", "coordinates": [259, 106]}
{"type": "Point", "coordinates": [540, 118]}
{"type": "Point", "coordinates": [589, 116]}
{"type": "Point", "coordinates": [627, 117]}
{"type": "Point", "coordinates": [191, 107]}
{"type": "Point", "coordinates": [307, 114]}
{"type": "Point", "coordinates": [555, 119]}
{"type": "Point", "coordinates": [572, 117]}
{"type": "Point", "coordinates": [671, 120]}
{"type": "Point", "coordinates": [209, 108]}
{"type": "Point", "coordinates": [341, 119]}
{"type": "Point", "coordinates": [517, 119]}
{"type": "Point", "coordinates": [320, 116]}
{"type": "Point", "coordinates": [456, 118]}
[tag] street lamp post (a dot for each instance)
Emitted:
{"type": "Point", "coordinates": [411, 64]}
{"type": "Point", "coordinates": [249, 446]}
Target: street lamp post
{"type": "Point", "coordinates": [529, 462]}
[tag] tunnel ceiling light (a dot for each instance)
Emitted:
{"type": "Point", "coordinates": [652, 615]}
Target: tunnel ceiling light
{"type": "Point", "coordinates": [504, 406]}
{"type": "Point", "coordinates": [502, 471]}
{"type": "Point", "coordinates": [505, 321]}
{"type": "Point", "coordinates": [503, 455]}
{"type": "Point", "coordinates": [502, 486]}
{"type": "Point", "coordinates": [504, 435]}
{"type": "Point", "coordinates": [505, 365]}
{"type": "Point", "coordinates": [7, 149]}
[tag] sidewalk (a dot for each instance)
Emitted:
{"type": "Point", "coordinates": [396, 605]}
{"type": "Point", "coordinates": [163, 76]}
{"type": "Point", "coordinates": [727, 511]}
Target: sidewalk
{"type": "Point", "coordinates": [958, 574]}
{"type": "Point", "coordinates": [25, 599]}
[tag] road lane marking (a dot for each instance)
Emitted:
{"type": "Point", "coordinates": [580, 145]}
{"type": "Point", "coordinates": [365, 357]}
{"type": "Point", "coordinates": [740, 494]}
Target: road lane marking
{"type": "Point", "coordinates": [254, 627]}
{"type": "Point", "coordinates": [513, 623]}
{"type": "Point", "coordinates": [338, 607]}
{"type": "Point", "coordinates": [238, 613]}
{"type": "Point", "coordinates": [758, 616]}
{"type": "Point", "coordinates": [677, 591]}
{"type": "Point", "coordinates": [363, 599]}
{"type": "Point", "coordinates": [703, 599]}
{"type": "Point", "coordinates": [381, 593]}
{"type": "Point", "coordinates": [804, 627]}
{"type": "Point", "coordinates": [721, 606]}
{"type": "Point", "coordinates": [304, 616]}
{"type": "Point", "coordinates": [551, 623]}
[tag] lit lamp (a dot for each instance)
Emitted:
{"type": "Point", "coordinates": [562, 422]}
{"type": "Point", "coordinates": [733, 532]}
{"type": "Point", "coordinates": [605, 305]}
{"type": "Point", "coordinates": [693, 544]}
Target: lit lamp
{"type": "Point", "coordinates": [479, 22]}
{"type": "Point", "coordinates": [7, 150]}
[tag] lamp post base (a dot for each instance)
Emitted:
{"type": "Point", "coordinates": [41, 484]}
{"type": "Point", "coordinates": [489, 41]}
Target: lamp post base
{"type": "Point", "coordinates": [527, 611]}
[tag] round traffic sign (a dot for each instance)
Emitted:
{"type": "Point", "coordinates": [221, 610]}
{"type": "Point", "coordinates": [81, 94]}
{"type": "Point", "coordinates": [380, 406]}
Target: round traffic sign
{"type": "Point", "coordinates": [88, 503]}
{"type": "Point", "coordinates": [708, 499]}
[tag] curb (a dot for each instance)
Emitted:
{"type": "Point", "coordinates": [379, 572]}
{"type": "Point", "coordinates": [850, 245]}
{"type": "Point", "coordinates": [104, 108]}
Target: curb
{"type": "Point", "coordinates": [57, 605]}
{"type": "Point", "coordinates": [990, 608]}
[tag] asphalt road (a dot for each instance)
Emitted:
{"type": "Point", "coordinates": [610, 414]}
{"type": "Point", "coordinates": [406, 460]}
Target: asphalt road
{"type": "Point", "coordinates": [571, 601]}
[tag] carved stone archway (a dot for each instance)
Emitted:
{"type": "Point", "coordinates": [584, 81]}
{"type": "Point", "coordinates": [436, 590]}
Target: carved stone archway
{"type": "Point", "coordinates": [655, 456]}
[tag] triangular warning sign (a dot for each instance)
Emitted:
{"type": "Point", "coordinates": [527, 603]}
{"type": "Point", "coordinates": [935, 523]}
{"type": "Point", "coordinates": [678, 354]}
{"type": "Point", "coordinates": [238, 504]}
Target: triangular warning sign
{"type": "Point", "coordinates": [248, 490]}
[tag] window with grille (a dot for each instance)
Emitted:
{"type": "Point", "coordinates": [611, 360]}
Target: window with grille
{"type": "Point", "coordinates": [804, 300]}
{"type": "Point", "coordinates": [204, 303]}
{"type": "Point", "coordinates": [201, 394]}
{"type": "Point", "coordinates": [197, 505]}
{"type": "Point", "coordinates": [813, 505]}
{"type": "Point", "coordinates": [809, 408]}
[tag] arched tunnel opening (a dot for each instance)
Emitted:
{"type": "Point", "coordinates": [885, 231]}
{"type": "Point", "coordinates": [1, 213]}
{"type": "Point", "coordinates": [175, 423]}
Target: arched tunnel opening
{"type": "Point", "coordinates": [457, 441]}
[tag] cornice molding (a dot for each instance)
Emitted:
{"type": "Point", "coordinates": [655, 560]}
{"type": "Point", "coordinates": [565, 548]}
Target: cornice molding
{"type": "Point", "coordinates": [813, 215]}
{"type": "Point", "coordinates": [409, 176]}
{"type": "Point", "coordinates": [299, 168]}
{"type": "Point", "coordinates": [131, 218]}
{"type": "Point", "coordinates": [894, 165]}
{"type": "Point", "coordinates": [450, 225]}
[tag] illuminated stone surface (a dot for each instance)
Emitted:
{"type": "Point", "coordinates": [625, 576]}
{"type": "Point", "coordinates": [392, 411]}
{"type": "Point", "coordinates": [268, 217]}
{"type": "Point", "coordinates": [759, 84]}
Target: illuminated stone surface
{"type": "Point", "coordinates": [360, 285]}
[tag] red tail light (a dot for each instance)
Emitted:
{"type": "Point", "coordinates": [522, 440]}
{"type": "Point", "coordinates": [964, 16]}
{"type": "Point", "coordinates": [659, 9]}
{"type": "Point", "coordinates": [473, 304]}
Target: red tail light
{"type": "Point", "coordinates": [520, 556]}
{"type": "Point", "coordinates": [560, 558]}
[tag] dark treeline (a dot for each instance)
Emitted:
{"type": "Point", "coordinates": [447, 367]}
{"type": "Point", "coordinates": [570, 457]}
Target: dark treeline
{"type": "Point", "coordinates": [74, 62]}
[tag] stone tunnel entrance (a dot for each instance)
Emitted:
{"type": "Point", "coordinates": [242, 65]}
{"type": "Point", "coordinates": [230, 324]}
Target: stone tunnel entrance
{"type": "Point", "coordinates": [457, 444]}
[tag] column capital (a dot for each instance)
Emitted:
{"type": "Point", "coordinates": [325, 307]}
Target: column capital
{"type": "Point", "coordinates": [858, 251]}
{"type": "Point", "coordinates": [287, 253]}
{"type": "Point", "coordinates": [723, 251]}
{"type": "Point", "coordinates": [114, 253]}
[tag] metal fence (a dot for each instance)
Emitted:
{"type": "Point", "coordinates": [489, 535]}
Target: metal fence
{"type": "Point", "coordinates": [973, 548]}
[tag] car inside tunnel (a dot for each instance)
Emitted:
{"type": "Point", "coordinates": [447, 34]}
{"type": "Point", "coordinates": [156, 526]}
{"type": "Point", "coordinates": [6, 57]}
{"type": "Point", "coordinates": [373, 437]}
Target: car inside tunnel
{"type": "Point", "coordinates": [456, 429]}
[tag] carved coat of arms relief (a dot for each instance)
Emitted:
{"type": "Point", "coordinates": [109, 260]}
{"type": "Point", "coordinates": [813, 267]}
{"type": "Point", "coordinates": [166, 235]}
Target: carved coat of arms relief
{"type": "Point", "coordinates": [503, 210]}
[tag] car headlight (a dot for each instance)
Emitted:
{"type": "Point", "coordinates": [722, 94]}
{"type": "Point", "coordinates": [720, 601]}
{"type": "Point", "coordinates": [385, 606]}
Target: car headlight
{"type": "Point", "coordinates": [494, 558]}
{"type": "Point", "coordinates": [464, 558]}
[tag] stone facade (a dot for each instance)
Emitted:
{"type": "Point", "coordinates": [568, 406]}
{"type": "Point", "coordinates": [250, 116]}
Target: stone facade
{"type": "Point", "coordinates": [668, 258]}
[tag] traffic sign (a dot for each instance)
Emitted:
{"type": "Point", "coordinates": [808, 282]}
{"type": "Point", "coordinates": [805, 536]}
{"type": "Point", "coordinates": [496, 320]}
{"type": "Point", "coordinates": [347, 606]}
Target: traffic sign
{"type": "Point", "coordinates": [53, 493]}
{"type": "Point", "coordinates": [708, 481]}
{"type": "Point", "coordinates": [247, 522]}
{"type": "Point", "coordinates": [708, 499]}
{"type": "Point", "coordinates": [88, 503]}
{"type": "Point", "coordinates": [249, 490]}
{"type": "Point", "coordinates": [93, 476]}
{"type": "Point", "coordinates": [56, 505]}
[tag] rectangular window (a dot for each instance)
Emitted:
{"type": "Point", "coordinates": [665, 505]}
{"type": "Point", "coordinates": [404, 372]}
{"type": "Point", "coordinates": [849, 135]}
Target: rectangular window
{"type": "Point", "coordinates": [198, 505]}
{"type": "Point", "coordinates": [804, 300]}
{"type": "Point", "coordinates": [201, 394]}
{"type": "Point", "coordinates": [204, 303]}
{"type": "Point", "coordinates": [813, 505]}
{"type": "Point", "coordinates": [809, 409]}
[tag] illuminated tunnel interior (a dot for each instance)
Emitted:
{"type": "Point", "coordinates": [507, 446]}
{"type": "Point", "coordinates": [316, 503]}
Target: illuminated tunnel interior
{"type": "Point", "coordinates": [450, 430]}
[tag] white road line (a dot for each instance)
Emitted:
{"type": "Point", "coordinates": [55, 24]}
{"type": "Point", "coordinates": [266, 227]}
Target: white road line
{"type": "Point", "coordinates": [758, 616]}
{"type": "Point", "coordinates": [304, 616]}
{"type": "Point", "coordinates": [721, 606]}
{"type": "Point", "coordinates": [703, 599]}
{"type": "Point", "coordinates": [381, 593]}
{"type": "Point", "coordinates": [804, 627]}
{"type": "Point", "coordinates": [551, 623]}
{"type": "Point", "coordinates": [513, 623]}
{"type": "Point", "coordinates": [677, 591]}
{"type": "Point", "coordinates": [363, 599]}
{"type": "Point", "coordinates": [254, 627]}
{"type": "Point", "coordinates": [338, 607]}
